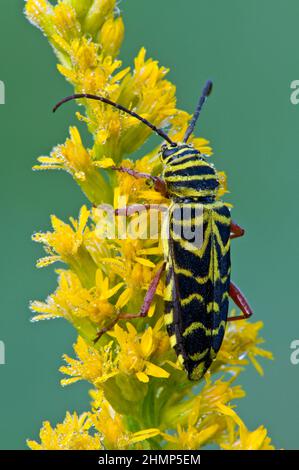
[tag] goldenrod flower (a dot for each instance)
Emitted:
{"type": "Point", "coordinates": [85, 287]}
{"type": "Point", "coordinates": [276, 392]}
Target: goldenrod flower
{"type": "Point", "coordinates": [112, 426]}
{"type": "Point", "coordinates": [72, 434]}
{"type": "Point", "coordinates": [202, 408]}
{"type": "Point", "coordinates": [66, 243]}
{"type": "Point", "coordinates": [74, 158]}
{"type": "Point", "coordinates": [242, 439]}
{"type": "Point", "coordinates": [79, 305]}
{"type": "Point", "coordinates": [190, 438]}
{"type": "Point", "coordinates": [136, 351]}
{"type": "Point", "coordinates": [111, 36]}
{"type": "Point", "coordinates": [90, 365]}
{"type": "Point", "coordinates": [241, 343]}
{"type": "Point", "coordinates": [65, 240]}
{"type": "Point", "coordinates": [141, 396]}
{"type": "Point", "coordinates": [134, 268]}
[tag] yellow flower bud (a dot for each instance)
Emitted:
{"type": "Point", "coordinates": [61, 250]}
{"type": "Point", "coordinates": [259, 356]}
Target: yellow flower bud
{"type": "Point", "coordinates": [111, 36]}
{"type": "Point", "coordinates": [40, 14]}
{"type": "Point", "coordinates": [81, 6]}
{"type": "Point", "coordinates": [97, 14]}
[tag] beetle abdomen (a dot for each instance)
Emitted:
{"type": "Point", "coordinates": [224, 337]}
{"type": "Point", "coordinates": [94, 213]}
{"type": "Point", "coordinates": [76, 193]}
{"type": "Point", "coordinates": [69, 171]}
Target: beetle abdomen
{"type": "Point", "coordinates": [197, 289]}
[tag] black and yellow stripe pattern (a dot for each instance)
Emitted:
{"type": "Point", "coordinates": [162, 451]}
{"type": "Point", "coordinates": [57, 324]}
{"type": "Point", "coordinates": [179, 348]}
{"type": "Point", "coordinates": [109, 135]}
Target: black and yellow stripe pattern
{"type": "Point", "coordinates": [197, 282]}
{"type": "Point", "coordinates": [187, 174]}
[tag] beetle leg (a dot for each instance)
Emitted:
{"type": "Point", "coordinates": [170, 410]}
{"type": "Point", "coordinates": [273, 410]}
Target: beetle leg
{"type": "Point", "coordinates": [241, 302]}
{"type": "Point", "coordinates": [159, 184]}
{"type": "Point", "coordinates": [148, 296]}
{"type": "Point", "coordinates": [236, 230]}
{"type": "Point", "coordinates": [144, 308]}
{"type": "Point", "coordinates": [129, 171]}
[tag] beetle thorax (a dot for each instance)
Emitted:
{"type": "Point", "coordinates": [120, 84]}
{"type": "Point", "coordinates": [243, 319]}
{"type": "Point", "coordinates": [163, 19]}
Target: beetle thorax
{"type": "Point", "coordinates": [187, 174]}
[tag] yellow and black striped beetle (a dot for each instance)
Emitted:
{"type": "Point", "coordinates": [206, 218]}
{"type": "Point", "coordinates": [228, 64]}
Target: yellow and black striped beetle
{"type": "Point", "coordinates": [198, 284]}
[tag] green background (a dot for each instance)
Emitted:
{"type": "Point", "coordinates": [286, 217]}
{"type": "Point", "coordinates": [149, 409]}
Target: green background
{"type": "Point", "coordinates": [249, 48]}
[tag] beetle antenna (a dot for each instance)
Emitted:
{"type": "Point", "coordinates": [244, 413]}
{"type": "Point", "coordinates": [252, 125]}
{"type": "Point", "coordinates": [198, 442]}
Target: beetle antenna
{"type": "Point", "coordinates": [158, 131]}
{"type": "Point", "coordinates": [205, 93]}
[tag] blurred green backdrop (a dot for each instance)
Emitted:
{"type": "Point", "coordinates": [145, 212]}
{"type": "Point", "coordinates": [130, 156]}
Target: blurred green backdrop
{"type": "Point", "coordinates": [249, 49]}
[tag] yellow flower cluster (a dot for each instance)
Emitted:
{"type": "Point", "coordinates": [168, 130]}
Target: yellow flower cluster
{"type": "Point", "coordinates": [72, 434]}
{"type": "Point", "coordinates": [141, 398]}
